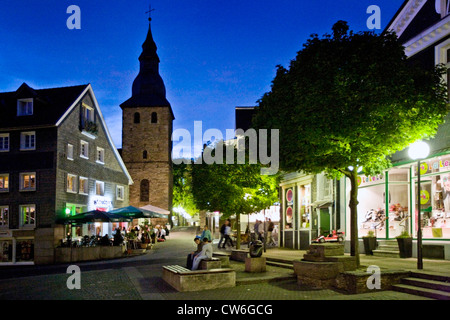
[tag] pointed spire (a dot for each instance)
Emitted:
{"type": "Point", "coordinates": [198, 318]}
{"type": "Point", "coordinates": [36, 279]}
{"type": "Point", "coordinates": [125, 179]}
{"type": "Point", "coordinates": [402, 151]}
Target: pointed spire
{"type": "Point", "coordinates": [148, 87]}
{"type": "Point", "coordinates": [149, 47]}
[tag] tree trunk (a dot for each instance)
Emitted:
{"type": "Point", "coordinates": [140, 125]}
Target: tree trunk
{"type": "Point", "coordinates": [353, 204]}
{"type": "Point", "coordinates": [202, 218]}
{"type": "Point", "coordinates": [238, 231]}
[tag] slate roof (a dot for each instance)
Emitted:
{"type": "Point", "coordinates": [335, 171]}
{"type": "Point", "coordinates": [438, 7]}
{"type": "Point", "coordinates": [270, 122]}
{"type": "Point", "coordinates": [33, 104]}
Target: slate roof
{"type": "Point", "coordinates": [49, 105]}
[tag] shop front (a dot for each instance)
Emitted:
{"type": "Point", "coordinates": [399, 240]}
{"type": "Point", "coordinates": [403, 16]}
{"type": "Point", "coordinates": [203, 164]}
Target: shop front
{"type": "Point", "coordinates": [388, 202]}
{"type": "Point", "coordinates": [16, 247]}
{"type": "Point", "coordinates": [434, 198]}
{"type": "Point", "coordinates": [296, 212]}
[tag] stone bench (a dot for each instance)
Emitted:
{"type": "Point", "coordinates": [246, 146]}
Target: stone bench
{"type": "Point", "coordinates": [320, 275]}
{"type": "Point", "coordinates": [255, 264]}
{"type": "Point", "coordinates": [355, 282]}
{"type": "Point", "coordinates": [183, 279]}
{"type": "Point", "coordinates": [239, 255]}
{"type": "Point", "coordinates": [348, 262]}
{"type": "Point", "coordinates": [224, 259]}
{"type": "Point", "coordinates": [208, 264]}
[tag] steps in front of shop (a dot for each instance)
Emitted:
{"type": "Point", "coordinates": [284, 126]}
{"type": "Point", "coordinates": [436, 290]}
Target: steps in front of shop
{"type": "Point", "coordinates": [387, 248]}
{"type": "Point", "coordinates": [425, 285]}
{"type": "Point", "coordinates": [281, 263]}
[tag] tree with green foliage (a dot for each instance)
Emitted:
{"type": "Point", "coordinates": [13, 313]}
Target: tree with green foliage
{"type": "Point", "coordinates": [350, 100]}
{"type": "Point", "coordinates": [232, 189]}
{"type": "Point", "coordinates": [182, 187]}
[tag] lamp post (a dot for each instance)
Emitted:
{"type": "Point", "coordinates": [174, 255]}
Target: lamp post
{"type": "Point", "coordinates": [419, 150]}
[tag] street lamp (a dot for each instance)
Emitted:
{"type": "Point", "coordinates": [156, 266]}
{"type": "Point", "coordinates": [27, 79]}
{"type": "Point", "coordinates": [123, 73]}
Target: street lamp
{"type": "Point", "coordinates": [417, 151]}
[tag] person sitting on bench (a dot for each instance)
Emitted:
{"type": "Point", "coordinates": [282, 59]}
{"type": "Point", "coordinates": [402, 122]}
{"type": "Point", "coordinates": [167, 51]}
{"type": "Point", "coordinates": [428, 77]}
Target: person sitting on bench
{"type": "Point", "coordinates": [192, 255]}
{"type": "Point", "coordinates": [207, 252]}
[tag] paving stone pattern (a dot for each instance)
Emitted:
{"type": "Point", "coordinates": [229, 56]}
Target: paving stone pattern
{"type": "Point", "coordinates": [139, 277]}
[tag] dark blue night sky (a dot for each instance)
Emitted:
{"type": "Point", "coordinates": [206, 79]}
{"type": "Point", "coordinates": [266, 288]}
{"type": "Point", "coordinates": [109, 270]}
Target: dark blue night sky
{"type": "Point", "coordinates": [215, 55]}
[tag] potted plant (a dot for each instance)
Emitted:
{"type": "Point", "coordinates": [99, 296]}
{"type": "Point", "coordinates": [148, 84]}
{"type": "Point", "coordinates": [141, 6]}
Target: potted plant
{"type": "Point", "coordinates": [404, 241]}
{"type": "Point", "coordinates": [370, 242]}
{"type": "Point", "coordinates": [131, 236]}
{"type": "Point", "coordinates": [146, 235]}
{"type": "Point", "coordinates": [144, 244]}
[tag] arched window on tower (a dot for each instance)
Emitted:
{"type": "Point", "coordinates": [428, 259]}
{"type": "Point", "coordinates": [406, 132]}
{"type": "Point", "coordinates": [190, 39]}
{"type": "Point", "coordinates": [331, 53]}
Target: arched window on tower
{"type": "Point", "coordinates": [137, 117]}
{"type": "Point", "coordinates": [145, 190]}
{"type": "Point", "coordinates": [154, 117]}
{"type": "Point", "coordinates": [145, 154]}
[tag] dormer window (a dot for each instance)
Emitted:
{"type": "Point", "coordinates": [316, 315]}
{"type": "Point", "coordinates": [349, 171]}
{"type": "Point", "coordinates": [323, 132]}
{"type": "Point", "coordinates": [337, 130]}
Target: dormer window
{"type": "Point", "coordinates": [24, 107]}
{"type": "Point", "coordinates": [88, 113]}
{"type": "Point", "coordinates": [88, 119]}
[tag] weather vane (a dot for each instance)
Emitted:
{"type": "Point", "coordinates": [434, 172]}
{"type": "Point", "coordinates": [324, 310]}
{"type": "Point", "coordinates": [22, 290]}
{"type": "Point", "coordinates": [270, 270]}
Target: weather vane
{"type": "Point", "coordinates": [150, 12]}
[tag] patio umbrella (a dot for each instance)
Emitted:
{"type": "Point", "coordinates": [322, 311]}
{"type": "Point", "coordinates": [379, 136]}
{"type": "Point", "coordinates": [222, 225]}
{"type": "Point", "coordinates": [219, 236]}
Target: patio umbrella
{"type": "Point", "coordinates": [95, 216]}
{"type": "Point", "coordinates": [136, 213]}
{"type": "Point", "coordinates": [154, 209]}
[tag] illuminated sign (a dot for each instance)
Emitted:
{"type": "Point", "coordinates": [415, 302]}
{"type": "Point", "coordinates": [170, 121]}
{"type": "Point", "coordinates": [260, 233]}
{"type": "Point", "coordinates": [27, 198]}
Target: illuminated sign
{"type": "Point", "coordinates": [424, 197]}
{"type": "Point", "coordinates": [100, 201]}
{"type": "Point", "coordinates": [441, 164]}
{"type": "Point", "coordinates": [290, 196]}
{"type": "Point", "coordinates": [363, 180]}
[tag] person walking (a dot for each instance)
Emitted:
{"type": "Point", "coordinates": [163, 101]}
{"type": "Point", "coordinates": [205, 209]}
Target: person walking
{"type": "Point", "coordinates": [261, 231]}
{"type": "Point", "coordinates": [270, 228]}
{"type": "Point", "coordinates": [222, 233]}
{"type": "Point", "coordinates": [228, 235]}
{"type": "Point", "coordinates": [256, 230]}
{"type": "Point", "coordinates": [206, 253]}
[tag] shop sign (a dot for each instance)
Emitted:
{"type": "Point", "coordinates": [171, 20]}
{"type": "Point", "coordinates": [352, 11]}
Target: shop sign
{"type": "Point", "coordinates": [441, 164]}
{"type": "Point", "coordinates": [433, 166]}
{"type": "Point", "coordinates": [289, 207]}
{"type": "Point", "coordinates": [363, 180]}
{"type": "Point", "coordinates": [289, 215]}
{"type": "Point", "coordinates": [424, 197]}
{"type": "Point", "coordinates": [101, 202]}
{"type": "Point", "coordinates": [290, 197]}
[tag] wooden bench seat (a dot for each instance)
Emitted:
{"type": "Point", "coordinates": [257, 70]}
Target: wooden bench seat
{"type": "Point", "coordinates": [183, 279]}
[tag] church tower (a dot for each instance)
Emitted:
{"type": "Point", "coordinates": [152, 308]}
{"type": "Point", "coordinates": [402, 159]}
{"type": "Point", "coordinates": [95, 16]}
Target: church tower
{"type": "Point", "coordinates": [147, 119]}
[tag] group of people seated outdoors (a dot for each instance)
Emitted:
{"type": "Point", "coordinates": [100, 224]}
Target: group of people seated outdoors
{"type": "Point", "coordinates": [119, 235]}
{"type": "Point", "coordinates": [157, 232]}
{"type": "Point", "coordinates": [204, 251]}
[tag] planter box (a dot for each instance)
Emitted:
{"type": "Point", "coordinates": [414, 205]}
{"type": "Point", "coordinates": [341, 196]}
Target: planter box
{"type": "Point", "coordinates": [405, 247]}
{"type": "Point", "coordinates": [319, 275]}
{"type": "Point", "coordinates": [255, 264]}
{"type": "Point", "coordinates": [370, 244]}
{"type": "Point", "coordinates": [68, 255]}
{"type": "Point", "coordinates": [355, 282]}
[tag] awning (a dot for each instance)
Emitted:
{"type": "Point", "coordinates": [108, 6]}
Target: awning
{"type": "Point", "coordinates": [94, 216]}
{"type": "Point", "coordinates": [322, 204]}
{"type": "Point", "coordinates": [137, 213]}
{"type": "Point", "coordinates": [149, 207]}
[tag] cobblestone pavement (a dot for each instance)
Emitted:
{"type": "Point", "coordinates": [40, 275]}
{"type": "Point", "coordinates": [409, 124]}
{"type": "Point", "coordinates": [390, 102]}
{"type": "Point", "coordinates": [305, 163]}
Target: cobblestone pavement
{"type": "Point", "coordinates": [110, 284]}
{"type": "Point", "coordinates": [139, 277]}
